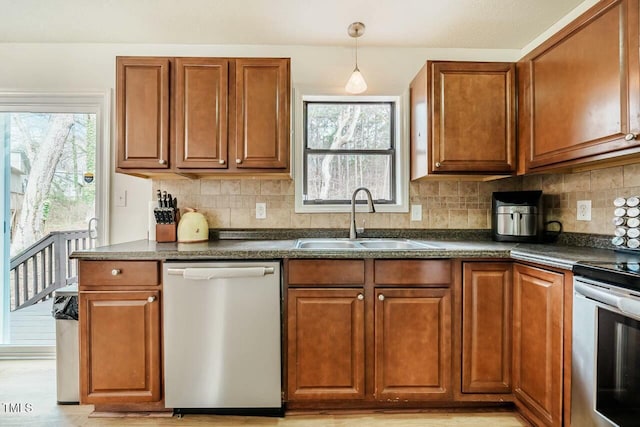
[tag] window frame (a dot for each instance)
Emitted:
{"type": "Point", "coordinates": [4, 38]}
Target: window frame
{"type": "Point", "coordinates": [398, 151]}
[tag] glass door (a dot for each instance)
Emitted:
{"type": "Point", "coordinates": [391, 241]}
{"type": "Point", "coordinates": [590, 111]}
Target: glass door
{"type": "Point", "coordinates": [54, 185]}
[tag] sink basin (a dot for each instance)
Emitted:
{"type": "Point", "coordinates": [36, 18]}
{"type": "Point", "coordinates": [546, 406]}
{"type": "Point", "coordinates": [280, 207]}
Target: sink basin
{"type": "Point", "coordinates": [326, 244]}
{"type": "Point", "coordinates": [375, 244]}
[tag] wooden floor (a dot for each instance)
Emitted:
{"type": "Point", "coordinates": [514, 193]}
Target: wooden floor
{"type": "Point", "coordinates": [32, 383]}
{"type": "Point", "coordinates": [33, 325]}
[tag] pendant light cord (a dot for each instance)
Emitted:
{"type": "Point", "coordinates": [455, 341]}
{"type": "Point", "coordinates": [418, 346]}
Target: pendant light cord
{"type": "Point", "coordinates": [357, 51]}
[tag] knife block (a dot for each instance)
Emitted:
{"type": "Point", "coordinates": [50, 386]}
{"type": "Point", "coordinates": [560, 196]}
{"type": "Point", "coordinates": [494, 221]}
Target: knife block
{"type": "Point", "coordinates": [166, 233]}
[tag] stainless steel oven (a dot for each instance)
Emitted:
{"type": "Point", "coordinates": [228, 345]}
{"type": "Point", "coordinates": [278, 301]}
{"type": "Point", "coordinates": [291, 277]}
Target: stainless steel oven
{"type": "Point", "coordinates": [605, 353]}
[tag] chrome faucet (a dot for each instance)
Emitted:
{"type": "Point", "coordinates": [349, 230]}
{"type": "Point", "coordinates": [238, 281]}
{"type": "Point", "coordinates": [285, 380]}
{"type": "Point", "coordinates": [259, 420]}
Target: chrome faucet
{"type": "Point", "coordinates": [353, 231]}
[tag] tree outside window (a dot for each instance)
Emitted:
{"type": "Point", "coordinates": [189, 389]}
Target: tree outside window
{"type": "Point", "coordinates": [349, 144]}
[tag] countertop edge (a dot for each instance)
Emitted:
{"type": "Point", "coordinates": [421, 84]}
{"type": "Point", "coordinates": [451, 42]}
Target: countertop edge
{"type": "Point", "coordinates": [562, 257]}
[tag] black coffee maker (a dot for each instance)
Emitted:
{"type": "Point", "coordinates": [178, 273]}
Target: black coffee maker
{"type": "Point", "coordinates": [517, 216]}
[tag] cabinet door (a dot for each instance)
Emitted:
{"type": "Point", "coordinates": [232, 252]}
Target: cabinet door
{"type": "Point", "coordinates": [262, 113]}
{"type": "Point", "coordinates": [474, 117]}
{"type": "Point", "coordinates": [412, 344]}
{"type": "Point", "coordinates": [486, 327]}
{"type": "Point", "coordinates": [537, 341]}
{"type": "Point", "coordinates": [142, 112]}
{"type": "Point", "coordinates": [581, 92]}
{"type": "Point", "coordinates": [201, 112]}
{"type": "Point", "coordinates": [120, 347]}
{"type": "Point", "coordinates": [325, 344]}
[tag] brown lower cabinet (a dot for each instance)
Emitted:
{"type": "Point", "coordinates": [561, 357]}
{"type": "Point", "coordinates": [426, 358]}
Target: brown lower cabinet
{"type": "Point", "coordinates": [425, 332]}
{"type": "Point", "coordinates": [538, 342]}
{"type": "Point", "coordinates": [120, 355]}
{"type": "Point", "coordinates": [413, 344]}
{"type": "Point", "coordinates": [326, 344]}
{"type": "Point", "coordinates": [120, 335]}
{"type": "Point", "coordinates": [408, 325]}
{"type": "Point", "coordinates": [486, 327]}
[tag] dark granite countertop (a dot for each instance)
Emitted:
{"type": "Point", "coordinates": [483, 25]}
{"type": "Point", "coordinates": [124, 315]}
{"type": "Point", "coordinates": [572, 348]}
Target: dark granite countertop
{"type": "Point", "coordinates": [554, 255]}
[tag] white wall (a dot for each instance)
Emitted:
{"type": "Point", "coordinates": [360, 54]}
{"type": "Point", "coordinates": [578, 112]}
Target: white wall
{"type": "Point", "coordinates": [77, 67]}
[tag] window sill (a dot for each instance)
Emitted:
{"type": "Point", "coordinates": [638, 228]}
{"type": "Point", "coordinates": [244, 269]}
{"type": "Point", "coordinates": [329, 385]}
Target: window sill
{"type": "Point", "coordinates": [397, 208]}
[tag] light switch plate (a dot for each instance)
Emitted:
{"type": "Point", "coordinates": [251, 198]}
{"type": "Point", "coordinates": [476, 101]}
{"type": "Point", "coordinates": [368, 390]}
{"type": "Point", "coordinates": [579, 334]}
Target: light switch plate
{"type": "Point", "coordinates": [121, 199]}
{"type": "Point", "coordinates": [583, 209]}
{"type": "Point", "coordinates": [416, 212]}
{"type": "Point", "coordinates": [261, 210]}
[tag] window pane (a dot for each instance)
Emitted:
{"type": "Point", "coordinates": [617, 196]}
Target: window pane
{"type": "Point", "coordinates": [335, 176]}
{"type": "Point", "coordinates": [348, 126]}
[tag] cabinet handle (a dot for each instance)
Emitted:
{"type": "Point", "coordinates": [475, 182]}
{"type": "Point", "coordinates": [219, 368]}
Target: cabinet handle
{"type": "Point", "coordinates": [162, 162]}
{"type": "Point", "coordinates": [238, 161]}
{"type": "Point", "coordinates": [360, 297]}
{"type": "Point", "coordinates": [151, 299]}
{"type": "Point", "coordinates": [115, 272]}
{"type": "Point", "coordinates": [381, 297]}
{"type": "Point", "coordinates": [221, 161]}
{"type": "Point", "coordinates": [438, 164]}
{"type": "Point", "coordinates": [630, 137]}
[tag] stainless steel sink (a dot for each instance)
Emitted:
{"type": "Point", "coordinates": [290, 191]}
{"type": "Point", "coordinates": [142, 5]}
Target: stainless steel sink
{"type": "Point", "coordinates": [327, 244]}
{"type": "Point", "coordinates": [393, 244]}
{"type": "Point", "coordinates": [373, 244]}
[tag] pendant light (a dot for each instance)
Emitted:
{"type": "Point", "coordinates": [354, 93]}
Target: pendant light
{"type": "Point", "coordinates": [356, 83]}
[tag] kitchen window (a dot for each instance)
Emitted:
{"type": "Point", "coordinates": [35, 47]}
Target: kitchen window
{"type": "Point", "coordinates": [346, 143]}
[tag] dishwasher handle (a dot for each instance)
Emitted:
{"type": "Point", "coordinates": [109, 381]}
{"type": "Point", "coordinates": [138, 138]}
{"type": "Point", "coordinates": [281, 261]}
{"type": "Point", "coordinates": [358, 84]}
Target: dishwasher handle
{"type": "Point", "coordinates": [208, 273]}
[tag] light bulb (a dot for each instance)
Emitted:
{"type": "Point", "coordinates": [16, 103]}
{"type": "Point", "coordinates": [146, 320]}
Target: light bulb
{"type": "Point", "coordinates": [356, 83]}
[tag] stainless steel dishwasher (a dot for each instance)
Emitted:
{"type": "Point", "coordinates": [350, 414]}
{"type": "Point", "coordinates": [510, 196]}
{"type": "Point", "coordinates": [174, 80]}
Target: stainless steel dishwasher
{"type": "Point", "coordinates": [222, 340]}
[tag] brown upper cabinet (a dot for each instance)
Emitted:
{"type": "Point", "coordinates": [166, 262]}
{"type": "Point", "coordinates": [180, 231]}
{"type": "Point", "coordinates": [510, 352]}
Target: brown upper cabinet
{"type": "Point", "coordinates": [580, 90]}
{"type": "Point", "coordinates": [262, 113]}
{"type": "Point", "coordinates": [142, 113]}
{"type": "Point", "coordinates": [463, 119]}
{"type": "Point", "coordinates": [203, 115]}
{"type": "Point", "coordinates": [202, 111]}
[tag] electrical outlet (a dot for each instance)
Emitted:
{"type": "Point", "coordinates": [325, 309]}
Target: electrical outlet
{"type": "Point", "coordinates": [416, 212]}
{"type": "Point", "coordinates": [583, 209]}
{"type": "Point", "coordinates": [261, 210]}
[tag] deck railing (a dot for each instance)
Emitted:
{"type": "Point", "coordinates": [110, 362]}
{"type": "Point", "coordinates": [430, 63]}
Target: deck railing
{"type": "Point", "coordinates": [45, 266]}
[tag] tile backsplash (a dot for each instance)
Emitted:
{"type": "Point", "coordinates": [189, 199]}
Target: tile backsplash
{"type": "Point", "coordinates": [602, 186]}
{"type": "Point", "coordinates": [455, 204]}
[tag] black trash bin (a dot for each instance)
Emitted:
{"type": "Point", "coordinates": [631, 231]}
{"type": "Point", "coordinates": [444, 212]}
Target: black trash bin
{"type": "Point", "coordinates": [65, 311]}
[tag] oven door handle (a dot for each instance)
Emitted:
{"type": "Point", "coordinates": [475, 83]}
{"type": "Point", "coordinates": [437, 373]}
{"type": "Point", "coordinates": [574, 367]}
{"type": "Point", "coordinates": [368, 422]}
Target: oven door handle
{"type": "Point", "coordinates": [628, 306]}
{"type": "Point", "coordinates": [596, 294]}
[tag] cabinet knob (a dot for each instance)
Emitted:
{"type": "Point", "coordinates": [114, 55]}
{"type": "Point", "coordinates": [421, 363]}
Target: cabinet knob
{"type": "Point", "coordinates": [221, 161]}
{"type": "Point", "coordinates": [381, 297]}
{"type": "Point", "coordinates": [238, 161]}
{"type": "Point", "coordinates": [360, 297]}
{"type": "Point", "coordinates": [151, 299]}
{"type": "Point", "coordinates": [438, 164]}
{"type": "Point", "coordinates": [162, 162]}
{"type": "Point", "coordinates": [115, 272]}
{"type": "Point", "coordinates": [630, 137]}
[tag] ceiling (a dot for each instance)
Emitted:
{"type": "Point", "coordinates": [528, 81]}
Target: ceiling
{"type": "Point", "coordinates": [490, 24]}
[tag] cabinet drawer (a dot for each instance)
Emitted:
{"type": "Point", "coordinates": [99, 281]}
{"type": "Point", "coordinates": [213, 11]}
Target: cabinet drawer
{"type": "Point", "coordinates": [346, 272]}
{"type": "Point", "coordinates": [412, 272]}
{"type": "Point", "coordinates": [118, 273]}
